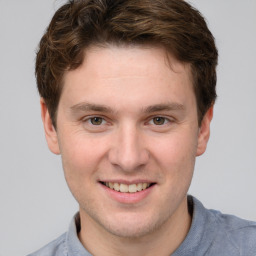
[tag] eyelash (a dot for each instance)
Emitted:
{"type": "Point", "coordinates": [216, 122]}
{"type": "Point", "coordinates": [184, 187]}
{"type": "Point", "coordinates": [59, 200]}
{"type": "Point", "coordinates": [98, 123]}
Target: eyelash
{"type": "Point", "coordinates": [102, 120]}
{"type": "Point", "coordinates": [165, 120]}
{"type": "Point", "coordinates": [90, 119]}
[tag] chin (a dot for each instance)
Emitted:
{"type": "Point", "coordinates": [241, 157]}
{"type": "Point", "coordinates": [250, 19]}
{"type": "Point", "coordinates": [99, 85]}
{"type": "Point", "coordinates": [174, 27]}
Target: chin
{"type": "Point", "coordinates": [132, 225]}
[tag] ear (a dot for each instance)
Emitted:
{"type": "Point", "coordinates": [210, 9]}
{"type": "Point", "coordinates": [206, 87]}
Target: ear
{"type": "Point", "coordinates": [204, 132]}
{"type": "Point", "coordinates": [49, 130]}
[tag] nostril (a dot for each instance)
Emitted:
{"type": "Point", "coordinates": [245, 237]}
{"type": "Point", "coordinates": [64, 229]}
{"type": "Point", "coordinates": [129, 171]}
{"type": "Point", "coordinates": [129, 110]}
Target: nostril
{"type": "Point", "coordinates": [128, 153]}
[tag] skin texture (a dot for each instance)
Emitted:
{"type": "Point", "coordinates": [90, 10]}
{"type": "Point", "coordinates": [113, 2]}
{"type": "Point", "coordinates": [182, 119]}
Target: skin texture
{"type": "Point", "coordinates": [127, 88]}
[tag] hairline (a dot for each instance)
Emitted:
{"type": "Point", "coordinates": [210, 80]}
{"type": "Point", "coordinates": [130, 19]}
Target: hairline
{"type": "Point", "coordinates": [121, 44]}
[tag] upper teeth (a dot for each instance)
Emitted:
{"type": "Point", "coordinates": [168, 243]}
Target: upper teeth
{"type": "Point", "coordinates": [124, 188]}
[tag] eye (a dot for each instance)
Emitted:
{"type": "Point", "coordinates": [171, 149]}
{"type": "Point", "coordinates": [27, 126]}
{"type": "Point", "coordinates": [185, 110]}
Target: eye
{"type": "Point", "coordinates": [159, 120]}
{"type": "Point", "coordinates": [95, 124]}
{"type": "Point", "coordinates": [96, 120]}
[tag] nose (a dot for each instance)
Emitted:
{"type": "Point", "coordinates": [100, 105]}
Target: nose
{"type": "Point", "coordinates": [128, 150]}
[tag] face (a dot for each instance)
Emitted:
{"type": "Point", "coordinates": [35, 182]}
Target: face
{"type": "Point", "coordinates": [127, 131]}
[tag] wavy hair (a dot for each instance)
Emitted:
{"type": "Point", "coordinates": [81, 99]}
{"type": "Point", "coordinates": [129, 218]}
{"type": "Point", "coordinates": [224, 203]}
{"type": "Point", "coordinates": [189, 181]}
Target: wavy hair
{"type": "Point", "coordinates": [172, 24]}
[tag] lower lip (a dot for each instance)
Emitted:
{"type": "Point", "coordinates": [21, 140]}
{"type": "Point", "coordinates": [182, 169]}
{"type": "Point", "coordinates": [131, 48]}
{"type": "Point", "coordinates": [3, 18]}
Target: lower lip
{"type": "Point", "coordinates": [128, 198]}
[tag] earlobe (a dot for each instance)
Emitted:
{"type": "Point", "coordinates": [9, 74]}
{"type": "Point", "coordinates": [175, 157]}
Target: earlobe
{"type": "Point", "coordinates": [204, 132]}
{"type": "Point", "coordinates": [50, 131]}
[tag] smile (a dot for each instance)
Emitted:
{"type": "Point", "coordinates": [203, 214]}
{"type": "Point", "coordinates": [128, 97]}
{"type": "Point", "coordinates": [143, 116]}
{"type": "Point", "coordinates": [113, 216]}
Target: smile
{"type": "Point", "coordinates": [125, 188]}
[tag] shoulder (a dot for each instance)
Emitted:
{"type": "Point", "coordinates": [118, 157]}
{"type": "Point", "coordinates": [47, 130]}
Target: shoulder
{"type": "Point", "coordinates": [236, 233]}
{"type": "Point", "coordinates": [241, 233]}
{"type": "Point", "coordinates": [55, 248]}
{"type": "Point", "coordinates": [222, 234]}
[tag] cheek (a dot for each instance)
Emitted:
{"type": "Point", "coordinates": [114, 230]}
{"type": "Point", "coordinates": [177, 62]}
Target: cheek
{"type": "Point", "coordinates": [176, 149]}
{"type": "Point", "coordinates": [80, 160]}
{"type": "Point", "coordinates": [175, 156]}
{"type": "Point", "coordinates": [178, 161]}
{"type": "Point", "coordinates": [80, 156]}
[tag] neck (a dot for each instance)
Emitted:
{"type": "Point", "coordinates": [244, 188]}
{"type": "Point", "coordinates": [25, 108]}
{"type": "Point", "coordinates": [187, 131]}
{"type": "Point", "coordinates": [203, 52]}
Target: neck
{"type": "Point", "coordinates": [162, 241]}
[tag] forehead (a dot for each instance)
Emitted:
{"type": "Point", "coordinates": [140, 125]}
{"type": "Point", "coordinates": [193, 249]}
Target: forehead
{"type": "Point", "coordinates": [136, 71]}
{"type": "Point", "coordinates": [110, 59]}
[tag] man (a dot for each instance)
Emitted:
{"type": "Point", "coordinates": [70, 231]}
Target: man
{"type": "Point", "coordinates": [127, 93]}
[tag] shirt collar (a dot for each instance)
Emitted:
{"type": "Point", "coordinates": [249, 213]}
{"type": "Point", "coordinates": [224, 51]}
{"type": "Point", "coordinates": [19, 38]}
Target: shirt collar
{"type": "Point", "coordinates": [73, 244]}
{"type": "Point", "coordinates": [201, 232]}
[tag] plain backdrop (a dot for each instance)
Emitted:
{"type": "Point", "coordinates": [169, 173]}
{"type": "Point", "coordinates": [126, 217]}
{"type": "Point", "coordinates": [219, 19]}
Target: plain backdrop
{"type": "Point", "coordinates": [36, 205]}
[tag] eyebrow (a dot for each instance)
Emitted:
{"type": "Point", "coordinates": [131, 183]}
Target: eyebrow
{"type": "Point", "coordinates": [86, 107]}
{"type": "Point", "coordinates": [164, 107]}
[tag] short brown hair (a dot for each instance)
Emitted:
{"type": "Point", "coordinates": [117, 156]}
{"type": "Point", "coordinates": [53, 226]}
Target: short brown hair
{"type": "Point", "coordinates": [172, 24]}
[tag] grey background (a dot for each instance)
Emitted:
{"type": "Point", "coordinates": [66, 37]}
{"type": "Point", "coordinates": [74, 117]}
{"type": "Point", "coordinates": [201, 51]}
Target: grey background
{"type": "Point", "coordinates": [36, 205]}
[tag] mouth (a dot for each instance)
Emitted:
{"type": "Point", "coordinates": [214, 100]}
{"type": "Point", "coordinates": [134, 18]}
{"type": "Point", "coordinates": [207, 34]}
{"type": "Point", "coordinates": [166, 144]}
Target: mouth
{"type": "Point", "coordinates": [127, 188]}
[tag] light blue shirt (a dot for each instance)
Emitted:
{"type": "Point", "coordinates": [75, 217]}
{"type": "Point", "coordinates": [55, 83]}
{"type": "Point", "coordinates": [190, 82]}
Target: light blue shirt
{"type": "Point", "coordinates": [211, 234]}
